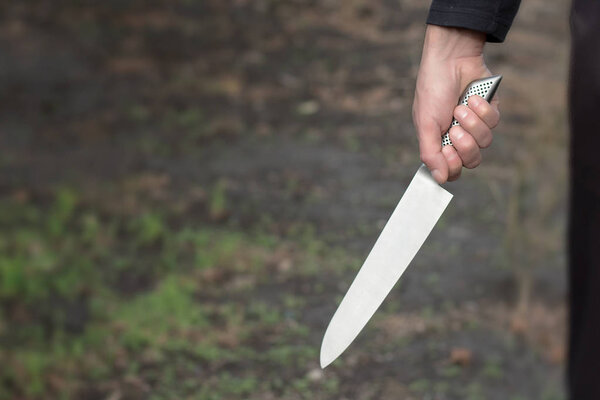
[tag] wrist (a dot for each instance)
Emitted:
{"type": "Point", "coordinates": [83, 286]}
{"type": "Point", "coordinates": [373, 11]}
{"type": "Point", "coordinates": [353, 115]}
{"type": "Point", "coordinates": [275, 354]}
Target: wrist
{"type": "Point", "coordinates": [446, 43]}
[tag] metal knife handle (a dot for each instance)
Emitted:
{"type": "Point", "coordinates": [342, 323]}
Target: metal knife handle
{"type": "Point", "coordinates": [485, 88]}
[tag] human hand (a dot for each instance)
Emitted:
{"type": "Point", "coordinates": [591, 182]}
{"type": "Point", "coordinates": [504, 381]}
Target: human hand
{"type": "Point", "coordinates": [452, 58]}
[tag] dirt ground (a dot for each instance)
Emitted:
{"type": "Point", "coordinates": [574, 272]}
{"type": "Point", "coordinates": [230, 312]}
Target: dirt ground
{"type": "Point", "coordinates": [189, 188]}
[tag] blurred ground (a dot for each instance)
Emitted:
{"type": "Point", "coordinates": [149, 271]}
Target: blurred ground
{"type": "Point", "coordinates": [189, 187]}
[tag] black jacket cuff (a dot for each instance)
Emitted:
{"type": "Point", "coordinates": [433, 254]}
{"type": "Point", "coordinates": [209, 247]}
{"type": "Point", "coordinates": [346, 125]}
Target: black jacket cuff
{"type": "Point", "coordinates": [492, 17]}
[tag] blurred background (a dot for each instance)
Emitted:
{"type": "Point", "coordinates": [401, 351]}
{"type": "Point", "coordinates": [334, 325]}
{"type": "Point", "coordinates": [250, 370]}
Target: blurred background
{"type": "Point", "coordinates": [189, 187]}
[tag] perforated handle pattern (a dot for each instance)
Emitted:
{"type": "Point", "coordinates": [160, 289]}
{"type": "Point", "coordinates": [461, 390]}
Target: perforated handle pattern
{"type": "Point", "coordinates": [482, 87]}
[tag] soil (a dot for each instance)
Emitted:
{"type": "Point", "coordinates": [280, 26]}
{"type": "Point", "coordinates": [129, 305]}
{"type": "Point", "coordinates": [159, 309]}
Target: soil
{"type": "Point", "coordinates": [301, 112]}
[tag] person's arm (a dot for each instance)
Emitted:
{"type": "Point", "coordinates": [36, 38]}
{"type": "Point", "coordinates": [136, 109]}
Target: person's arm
{"type": "Point", "coordinates": [452, 58]}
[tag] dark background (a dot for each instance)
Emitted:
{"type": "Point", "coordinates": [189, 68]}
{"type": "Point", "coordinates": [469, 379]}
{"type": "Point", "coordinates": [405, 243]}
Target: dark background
{"type": "Point", "coordinates": [189, 187]}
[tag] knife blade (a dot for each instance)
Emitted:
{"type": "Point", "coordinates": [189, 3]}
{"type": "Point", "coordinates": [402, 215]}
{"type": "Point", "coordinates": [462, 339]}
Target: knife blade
{"type": "Point", "coordinates": [411, 222]}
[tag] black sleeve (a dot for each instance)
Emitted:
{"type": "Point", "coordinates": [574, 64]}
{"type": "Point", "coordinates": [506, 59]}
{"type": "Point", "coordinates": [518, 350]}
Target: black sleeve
{"type": "Point", "coordinates": [492, 17]}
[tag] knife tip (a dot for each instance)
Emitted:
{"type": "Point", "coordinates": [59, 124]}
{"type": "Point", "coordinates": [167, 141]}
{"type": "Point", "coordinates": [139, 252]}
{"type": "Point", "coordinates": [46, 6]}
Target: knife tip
{"type": "Point", "coordinates": [329, 350]}
{"type": "Point", "coordinates": [325, 359]}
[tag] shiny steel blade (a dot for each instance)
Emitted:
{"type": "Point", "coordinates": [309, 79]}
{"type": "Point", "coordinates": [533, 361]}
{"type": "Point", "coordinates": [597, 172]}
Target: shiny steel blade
{"type": "Point", "coordinates": [411, 222]}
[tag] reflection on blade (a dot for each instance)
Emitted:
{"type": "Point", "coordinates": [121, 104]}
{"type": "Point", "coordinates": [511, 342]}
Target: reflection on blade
{"type": "Point", "coordinates": [411, 222]}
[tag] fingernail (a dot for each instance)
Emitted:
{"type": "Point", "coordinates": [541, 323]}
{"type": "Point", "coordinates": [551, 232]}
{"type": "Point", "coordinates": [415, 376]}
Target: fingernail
{"type": "Point", "coordinates": [458, 134]}
{"type": "Point", "coordinates": [462, 113]}
{"type": "Point", "coordinates": [437, 175]}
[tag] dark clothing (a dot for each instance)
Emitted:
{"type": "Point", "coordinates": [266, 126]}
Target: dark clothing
{"type": "Point", "coordinates": [584, 226]}
{"type": "Point", "coordinates": [494, 18]}
{"type": "Point", "coordinates": [584, 91]}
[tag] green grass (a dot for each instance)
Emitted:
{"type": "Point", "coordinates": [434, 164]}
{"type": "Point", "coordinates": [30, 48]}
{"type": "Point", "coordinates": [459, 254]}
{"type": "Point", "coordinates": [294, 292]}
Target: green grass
{"type": "Point", "coordinates": [195, 316]}
{"type": "Point", "coordinates": [493, 368]}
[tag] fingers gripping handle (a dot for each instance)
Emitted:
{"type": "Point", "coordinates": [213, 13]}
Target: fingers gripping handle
{"type": "Point", "coordinates": [485, 88]}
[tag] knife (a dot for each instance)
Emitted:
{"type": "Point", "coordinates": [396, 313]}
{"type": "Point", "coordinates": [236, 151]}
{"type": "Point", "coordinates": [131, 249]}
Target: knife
{"type": "Point", "coordinates": [413, 219]}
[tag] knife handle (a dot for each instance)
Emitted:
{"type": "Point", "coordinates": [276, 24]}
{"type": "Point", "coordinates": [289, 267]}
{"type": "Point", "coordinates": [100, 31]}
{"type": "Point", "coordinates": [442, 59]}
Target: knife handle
{"type": "Point", "coordinates": [485, 88]}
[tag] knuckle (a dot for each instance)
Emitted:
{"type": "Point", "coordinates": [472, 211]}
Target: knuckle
{"type": "Point", "coordinates": [485, 113]}
{"type": "Point", "coordinates": [457, 134]}
{"type": "Point", "coordinates": [486, 140]}
{"type": "Point", "coordinates": [455, 168]}
{"type": "Point", "coordinates": [452, 160]}
{"type": "Point", "coordinates": [474, 163]}
{"type": "Point", "coordinates": [455, 176]}
{"type": "Point", "coordinates": [469, 146]}
{"type": "Point", "coordinates": [489, 115]}
{"type": "Point", "coordinates": [455, 171]}
{"type": "Point", "coordinates": [495, 121]}
{"type": "Point", "coordinates": [427, 159]}
{"type": "Point", "coordinates": [470, 122]}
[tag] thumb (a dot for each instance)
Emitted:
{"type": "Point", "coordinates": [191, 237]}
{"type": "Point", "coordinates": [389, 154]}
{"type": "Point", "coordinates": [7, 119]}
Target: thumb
{"type": "Point", "coordinates": [430, 146]}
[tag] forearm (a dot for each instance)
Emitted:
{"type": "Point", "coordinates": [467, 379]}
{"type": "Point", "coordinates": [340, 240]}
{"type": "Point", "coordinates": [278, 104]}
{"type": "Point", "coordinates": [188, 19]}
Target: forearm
{"type": "Point", "coordinates": [453, 48]}
{"type": "Point", "coordinates": [448, 43]}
